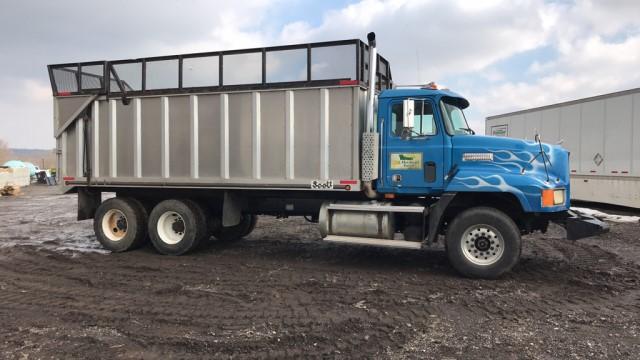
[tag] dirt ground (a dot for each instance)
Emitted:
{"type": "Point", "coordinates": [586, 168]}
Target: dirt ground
{"type": "Point", "coordinates": [283, 293]}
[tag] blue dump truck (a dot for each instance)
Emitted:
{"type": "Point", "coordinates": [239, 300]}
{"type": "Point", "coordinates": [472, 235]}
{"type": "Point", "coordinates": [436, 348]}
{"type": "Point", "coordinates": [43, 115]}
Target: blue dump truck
{"type": "Point", "coordinates": [196, 146]}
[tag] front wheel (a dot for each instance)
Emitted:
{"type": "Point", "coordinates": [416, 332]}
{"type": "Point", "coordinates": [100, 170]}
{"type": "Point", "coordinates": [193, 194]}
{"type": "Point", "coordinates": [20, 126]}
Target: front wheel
{"type": "Point", "coordinates": [483, 242]}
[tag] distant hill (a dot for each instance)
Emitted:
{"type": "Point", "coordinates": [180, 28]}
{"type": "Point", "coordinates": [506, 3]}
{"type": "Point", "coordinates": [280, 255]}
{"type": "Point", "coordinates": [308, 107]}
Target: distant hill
{"type": "Point", "coordinates": [42, 158]}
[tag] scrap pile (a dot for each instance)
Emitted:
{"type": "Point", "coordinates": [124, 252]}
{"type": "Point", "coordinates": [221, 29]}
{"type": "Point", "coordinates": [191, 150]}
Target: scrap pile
{"type": "Point", "coordinates": [10, 190]}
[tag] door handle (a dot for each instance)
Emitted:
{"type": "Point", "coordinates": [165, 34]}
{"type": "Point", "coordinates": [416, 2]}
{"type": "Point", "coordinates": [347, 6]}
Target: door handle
{"type": "Point", "coordinates": [429, 171]}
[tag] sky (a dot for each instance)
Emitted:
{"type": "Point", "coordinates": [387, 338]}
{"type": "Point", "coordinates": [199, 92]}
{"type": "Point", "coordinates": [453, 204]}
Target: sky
{"type": "Point", "coordinates": [502, 55]}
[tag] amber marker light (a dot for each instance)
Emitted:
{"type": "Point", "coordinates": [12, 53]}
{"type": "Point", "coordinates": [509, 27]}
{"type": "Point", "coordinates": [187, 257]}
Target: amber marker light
{"type": "Point", "coordinates": [552, 197]}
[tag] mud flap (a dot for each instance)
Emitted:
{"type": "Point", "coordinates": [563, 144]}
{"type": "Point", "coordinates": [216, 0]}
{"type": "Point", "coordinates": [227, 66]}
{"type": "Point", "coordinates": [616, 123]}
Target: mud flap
{"type": "Point", "coordinates": [579, 225]}
{"type": "Point", "coordinates": [88, 202]}
{"type": "Point", "coordinates": [232, 209]}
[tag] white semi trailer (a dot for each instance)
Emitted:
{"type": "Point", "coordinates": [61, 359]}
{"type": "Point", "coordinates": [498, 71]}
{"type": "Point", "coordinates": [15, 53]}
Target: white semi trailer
{"type": "Point", "coordinates": [602, 134]}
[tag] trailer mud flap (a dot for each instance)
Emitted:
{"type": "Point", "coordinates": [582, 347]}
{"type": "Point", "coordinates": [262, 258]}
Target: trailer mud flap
{"type": "Point", "coordinates": [88, 202]}
{"type": "Point", "coordinates": [579, 225]}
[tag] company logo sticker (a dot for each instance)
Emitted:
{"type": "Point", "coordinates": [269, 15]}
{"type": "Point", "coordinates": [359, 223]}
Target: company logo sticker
{"type": "Point", "coordinates": [500, 130]}
{"type": "Point", "coordinates": [406, 161]}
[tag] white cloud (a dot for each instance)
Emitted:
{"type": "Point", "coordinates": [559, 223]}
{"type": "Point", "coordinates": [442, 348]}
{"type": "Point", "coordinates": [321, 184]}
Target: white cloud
{"type": "Point", "coordinates": [598, 52]}
{"type": "Point", "coordinates": [27, 115]}
{"type": "Point", "coordinates": [597, 45]}
{"type": "Point", "coordinates": [447, 37]}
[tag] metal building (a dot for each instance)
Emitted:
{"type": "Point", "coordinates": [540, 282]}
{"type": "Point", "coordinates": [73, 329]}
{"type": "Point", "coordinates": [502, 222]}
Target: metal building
{"type": "Point", "coordinates": [601, 132]}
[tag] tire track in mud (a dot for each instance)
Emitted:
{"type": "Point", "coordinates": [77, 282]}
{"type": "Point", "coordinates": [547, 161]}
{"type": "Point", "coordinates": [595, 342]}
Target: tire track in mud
{"type": "Point", "coordinates": [282, 293]}
{"type": "Point", "coordinates": [188, 304]}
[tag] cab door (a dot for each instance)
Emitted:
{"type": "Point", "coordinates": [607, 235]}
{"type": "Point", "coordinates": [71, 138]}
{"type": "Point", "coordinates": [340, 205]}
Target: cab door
{"type": "Point", "coordinates": [413, 158]}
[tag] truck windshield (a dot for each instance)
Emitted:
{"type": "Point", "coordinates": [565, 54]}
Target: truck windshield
{"type": "Point", "coordinates": [454, 119]}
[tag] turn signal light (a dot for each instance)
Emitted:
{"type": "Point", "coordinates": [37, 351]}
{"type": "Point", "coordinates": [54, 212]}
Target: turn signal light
{"type": "Point", "coordinates": [552, 197]}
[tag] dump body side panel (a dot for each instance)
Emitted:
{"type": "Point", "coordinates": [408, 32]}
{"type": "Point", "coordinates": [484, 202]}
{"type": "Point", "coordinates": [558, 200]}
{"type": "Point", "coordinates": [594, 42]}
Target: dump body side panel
{"type": "Point", "coordinates": [268, 138]}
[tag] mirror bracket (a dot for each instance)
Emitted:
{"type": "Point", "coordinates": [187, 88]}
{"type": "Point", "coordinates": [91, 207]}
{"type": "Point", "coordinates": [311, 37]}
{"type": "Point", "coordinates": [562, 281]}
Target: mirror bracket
{"type": "Point", "coordinates": [408, 110]}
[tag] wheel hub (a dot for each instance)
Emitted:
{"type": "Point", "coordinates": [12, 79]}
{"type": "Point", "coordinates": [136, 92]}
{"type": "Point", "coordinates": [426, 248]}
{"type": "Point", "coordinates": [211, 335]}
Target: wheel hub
{"type": "Point", "coordinates": [114, 225]}
{"type": "Point", "coordinates": [171, 227]}
{"type": "Point", "coordinates": [121, 223]}
{"type": "Point", "coordinates": [178, 226]}
{"type": "Point", "coordinates": [482, 245]}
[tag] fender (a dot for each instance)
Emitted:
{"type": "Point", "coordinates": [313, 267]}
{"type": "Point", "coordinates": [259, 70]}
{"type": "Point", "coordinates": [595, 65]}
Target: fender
{"type": "Point", "coordinates": [435, 217]}
{"type": "Point", "coordinates": [520, 186]}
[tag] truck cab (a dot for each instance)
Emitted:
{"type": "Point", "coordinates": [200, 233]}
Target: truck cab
{"type": "Point", "coordinates": [428, 149]}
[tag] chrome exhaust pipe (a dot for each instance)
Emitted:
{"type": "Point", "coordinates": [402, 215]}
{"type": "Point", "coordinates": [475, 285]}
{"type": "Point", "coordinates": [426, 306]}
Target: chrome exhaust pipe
{"type": "Point", "coordinates": [370, 138]}
{"type": "Point", "coordinates": [373, 56]}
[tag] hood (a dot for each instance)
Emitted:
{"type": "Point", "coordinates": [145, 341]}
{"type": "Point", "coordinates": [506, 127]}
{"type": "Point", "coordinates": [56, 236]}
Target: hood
{"type": "Point", "coordinates": [512, 156]}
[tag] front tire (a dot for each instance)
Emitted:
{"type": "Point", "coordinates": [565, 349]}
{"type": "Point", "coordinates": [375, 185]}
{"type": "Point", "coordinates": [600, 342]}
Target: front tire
{"type": "Point", "coordinates": [483, 242]}
{"type": "Point", "coordinates": [120, 224]}
{"type": "Point", "coordinates": [177, 226]}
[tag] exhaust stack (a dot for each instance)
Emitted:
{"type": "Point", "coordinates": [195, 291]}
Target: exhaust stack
{"type": "Point", "coordinates": [373, 57]}
{"type": "Point", "coordinates": [370, 138]}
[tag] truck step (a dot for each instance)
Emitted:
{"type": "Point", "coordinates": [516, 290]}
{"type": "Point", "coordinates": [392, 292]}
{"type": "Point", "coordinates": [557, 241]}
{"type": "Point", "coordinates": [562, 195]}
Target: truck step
{"type": "Point", "coordinates": [377, 208]}
{"type": "Point", "coordinates": [373, 242]}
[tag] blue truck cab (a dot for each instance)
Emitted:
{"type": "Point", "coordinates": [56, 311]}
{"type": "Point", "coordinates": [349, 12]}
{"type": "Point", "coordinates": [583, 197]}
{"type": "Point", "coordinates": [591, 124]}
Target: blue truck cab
{"type": "Point", "coordinates": [440, 153]}
{"type": "Point", "coordinates": [482, 192]}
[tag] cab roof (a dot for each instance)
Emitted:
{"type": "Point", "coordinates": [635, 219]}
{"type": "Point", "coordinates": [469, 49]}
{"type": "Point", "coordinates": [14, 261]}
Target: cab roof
{"type": "Point", "coordinates": [421, 92]}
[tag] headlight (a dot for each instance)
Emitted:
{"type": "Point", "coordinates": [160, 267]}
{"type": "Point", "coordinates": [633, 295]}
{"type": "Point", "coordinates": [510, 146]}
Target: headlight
{"type": "Point", "coordinates": [553, 197]}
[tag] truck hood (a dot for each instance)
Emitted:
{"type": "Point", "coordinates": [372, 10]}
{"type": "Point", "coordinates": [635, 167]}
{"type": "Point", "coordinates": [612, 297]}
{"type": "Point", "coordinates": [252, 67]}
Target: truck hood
{"type": "Point", "coordinates": [513, 156]}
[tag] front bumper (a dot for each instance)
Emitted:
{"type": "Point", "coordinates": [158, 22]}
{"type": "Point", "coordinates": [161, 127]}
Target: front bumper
{"type": "Point", "coordinates": [580, 226]}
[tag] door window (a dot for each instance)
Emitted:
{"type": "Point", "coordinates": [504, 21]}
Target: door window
{"type": "Point", "coordinates": [423, 122]}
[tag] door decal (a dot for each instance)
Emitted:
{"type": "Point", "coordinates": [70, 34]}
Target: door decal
{"type": "Point", "coordinates": [406, 161]}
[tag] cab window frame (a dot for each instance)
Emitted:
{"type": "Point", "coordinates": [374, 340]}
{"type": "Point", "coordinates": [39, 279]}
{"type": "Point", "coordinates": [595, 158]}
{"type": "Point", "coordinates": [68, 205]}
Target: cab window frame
{"type": "Point", "coordinates": [413, 137]}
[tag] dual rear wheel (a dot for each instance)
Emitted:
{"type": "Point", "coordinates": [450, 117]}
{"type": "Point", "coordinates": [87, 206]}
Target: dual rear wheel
{"type": "Point", "coordinates": [174, 226]}
{"type": "Point", "coordinates": [177, 226]}
{"type": "Point", "coordinates": [120, 224]}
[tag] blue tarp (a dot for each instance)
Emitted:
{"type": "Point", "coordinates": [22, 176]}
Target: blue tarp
{"type": "Point", "coordinates": [21, 164]}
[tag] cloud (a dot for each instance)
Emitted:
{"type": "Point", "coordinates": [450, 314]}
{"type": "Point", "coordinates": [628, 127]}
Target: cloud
{"type": "Point", "coordinates": [34, 34]}
{"type": "Point", "coordinates": [26, 118]}
{"type": "Point", "coordinates": [596, 55]}
{"type": "Point", "coordinates": [446, 37]}
{"type": "Point", "coordinates": [470, 44]}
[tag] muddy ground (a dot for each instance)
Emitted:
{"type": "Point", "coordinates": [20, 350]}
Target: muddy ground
{"type": "Point", "coordinates": [282, 293]}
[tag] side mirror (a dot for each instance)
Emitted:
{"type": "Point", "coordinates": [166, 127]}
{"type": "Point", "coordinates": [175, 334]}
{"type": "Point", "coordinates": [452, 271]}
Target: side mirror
{"type": "Point", "coordinates": [408, 106]}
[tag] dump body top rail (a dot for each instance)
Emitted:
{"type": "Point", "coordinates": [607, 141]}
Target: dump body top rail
{"type": "Point", "coordinates": [343, 62]}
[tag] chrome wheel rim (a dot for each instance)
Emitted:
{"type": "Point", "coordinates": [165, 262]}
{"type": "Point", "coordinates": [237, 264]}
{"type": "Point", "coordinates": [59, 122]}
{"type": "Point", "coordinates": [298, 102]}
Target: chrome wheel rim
{"type": "Point", "coordinates": [114, 225]}
{"type": "Point", "coordinates": [171, 227]}
{"type": "Point", "coordinates": [482, 245]}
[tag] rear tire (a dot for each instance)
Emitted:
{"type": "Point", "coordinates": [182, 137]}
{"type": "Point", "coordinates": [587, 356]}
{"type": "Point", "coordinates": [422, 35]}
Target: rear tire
{"type": "Point", "coordinates": [483, 242]}
{"type": "Point", "coordinates": [120, 224]}
{"type": "Point", "coordinates": [232, 233]}
{"type": "Point", "coordinates": [177, 226]}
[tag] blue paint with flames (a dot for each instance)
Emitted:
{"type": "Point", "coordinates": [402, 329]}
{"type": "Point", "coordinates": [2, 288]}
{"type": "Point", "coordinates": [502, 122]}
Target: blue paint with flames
{"type": "Point", "coordinates": [517, 167]}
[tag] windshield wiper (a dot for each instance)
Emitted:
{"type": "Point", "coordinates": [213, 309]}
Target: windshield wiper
{"type": "Point", "coordinates": [469, 130]}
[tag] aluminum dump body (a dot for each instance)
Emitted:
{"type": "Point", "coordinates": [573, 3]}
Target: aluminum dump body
{"type": "Point", "coordinates": [188, 121]}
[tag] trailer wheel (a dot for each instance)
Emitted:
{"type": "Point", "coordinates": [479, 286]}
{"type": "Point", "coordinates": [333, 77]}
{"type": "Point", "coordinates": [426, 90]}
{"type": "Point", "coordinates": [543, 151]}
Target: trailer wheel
{"type": "Point", "coordinates": [483, 242]}
{"type": "Point", "coordinates": [120, 224]}
{"type": "Point", "coordinates": [231, 233]}
{"type": "Point", "coordinates": [177, 226]}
